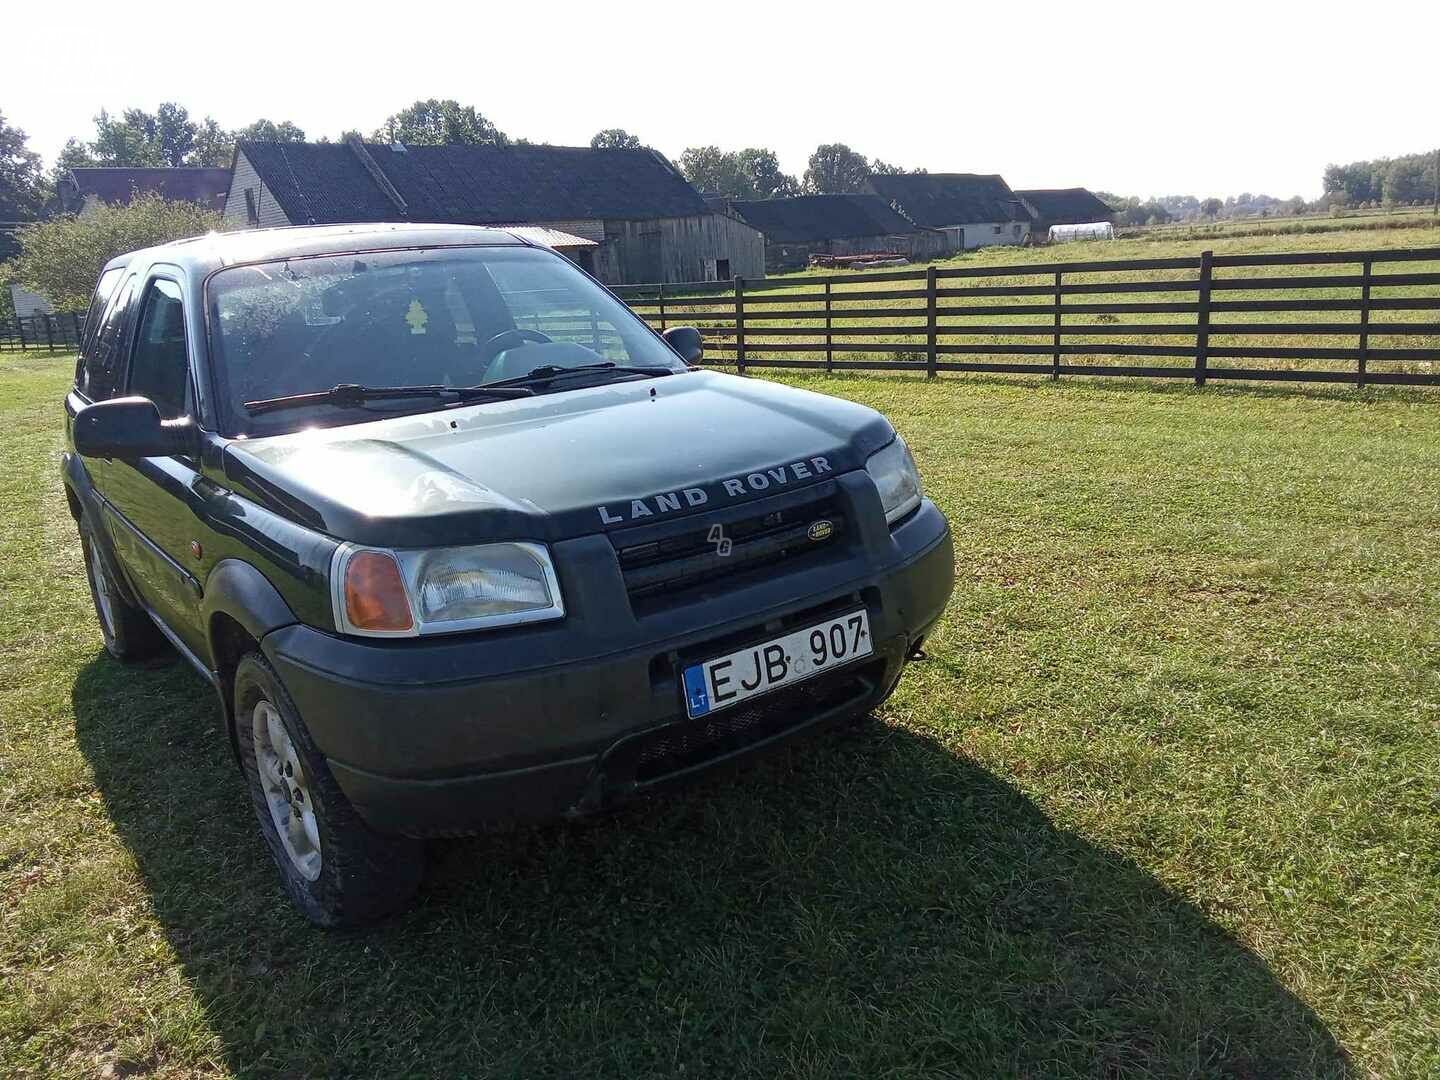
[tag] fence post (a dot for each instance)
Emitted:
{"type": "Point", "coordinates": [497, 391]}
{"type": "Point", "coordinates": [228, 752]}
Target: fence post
{"type": "Point", "coordinates": [49, 333]}
{"type": "Point", "coordinates": [1055, 359]}
{"type": "Point", "coordinates": [829, 344]}
{"type": "Point", "coordinates": [932, 319]}
{"type": "Point", "coordinates": [20, 329]}
{"type": "Point", "coordinates": [740, 324]}
{"type": "Point", "coordinates": [1202, 317]}
{"type": "Point", "coordinates": [75, 323]}
{"type": "Point", "coordinates": [1364, 324]}
{"type": "Point", "coordinates": [662, 307]}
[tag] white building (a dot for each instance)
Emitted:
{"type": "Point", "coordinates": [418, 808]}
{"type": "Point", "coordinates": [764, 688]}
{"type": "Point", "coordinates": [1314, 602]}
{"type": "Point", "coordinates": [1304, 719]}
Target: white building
{"type": "Point", "coordinates": [973, 210]}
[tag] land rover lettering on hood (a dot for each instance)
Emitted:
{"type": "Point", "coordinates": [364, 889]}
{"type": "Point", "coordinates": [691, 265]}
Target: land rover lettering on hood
{"type": "Point", "coordinates": [459, 541]}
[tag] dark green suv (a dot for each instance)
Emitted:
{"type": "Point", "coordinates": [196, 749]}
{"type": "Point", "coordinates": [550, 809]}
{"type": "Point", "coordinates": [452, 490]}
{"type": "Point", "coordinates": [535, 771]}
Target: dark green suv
{"type": "Point", "coordinates": [460, 541]}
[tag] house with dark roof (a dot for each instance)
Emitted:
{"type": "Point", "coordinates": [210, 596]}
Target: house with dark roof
{"type": "Point", "coordinates": [81, 189]}
{"type": "Point", "coordinates": [647, 223]}
{"type": "Point", "coordinates": [797, 228]}
{"type": "Point", "coordinates": [1064, 206]}
{"type": "Point", "coordinates": [973, 210]}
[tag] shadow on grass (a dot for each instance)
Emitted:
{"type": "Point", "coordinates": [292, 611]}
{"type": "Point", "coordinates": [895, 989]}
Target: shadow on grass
{"type": "Point", "coordinates": [868, 903]}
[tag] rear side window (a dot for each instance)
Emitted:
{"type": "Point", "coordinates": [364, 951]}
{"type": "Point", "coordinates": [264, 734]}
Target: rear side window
{"type": "Point", "coordinates": [159, 365]}
{"type": "Point", "coordinates": [108, 280]}
{"type": "Point", "coordinates": [101, 364]}
{"type": "Point", "coordinates": [106, 285]}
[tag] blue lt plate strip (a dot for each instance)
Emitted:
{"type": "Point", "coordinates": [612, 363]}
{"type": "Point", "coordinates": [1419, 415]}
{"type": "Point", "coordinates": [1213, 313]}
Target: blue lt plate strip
{"type": "Point", "coordinates": [697, 698]}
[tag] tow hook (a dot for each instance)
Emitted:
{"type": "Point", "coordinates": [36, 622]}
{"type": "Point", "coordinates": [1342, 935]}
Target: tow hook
{"type": "Point", "coordinates": [917, 651]}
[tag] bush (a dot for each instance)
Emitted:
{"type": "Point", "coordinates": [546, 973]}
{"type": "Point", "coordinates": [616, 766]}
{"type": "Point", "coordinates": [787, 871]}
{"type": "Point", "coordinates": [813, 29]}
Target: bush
{"type": "Point", "coordinates": [61, 258]}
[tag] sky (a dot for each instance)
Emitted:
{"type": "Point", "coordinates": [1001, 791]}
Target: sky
{"type": "Point", "coordinates": [1141, 99]}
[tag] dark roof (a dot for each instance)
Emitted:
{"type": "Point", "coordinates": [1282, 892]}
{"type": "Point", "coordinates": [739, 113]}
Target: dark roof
{"type": "Point", "coordinates": [1066, 206]}
{"type": "Point", "coordinates": [936, 200]}
{"type": "Point", "coordinates": [822, 217]}
{"type": "Point", "coordinates": [112, 185]}
{"type": "Point", "coordinates": [477, 185]}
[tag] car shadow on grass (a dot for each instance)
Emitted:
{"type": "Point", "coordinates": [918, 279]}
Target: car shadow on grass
{"type": "Point", "coordinates": [869, 902]}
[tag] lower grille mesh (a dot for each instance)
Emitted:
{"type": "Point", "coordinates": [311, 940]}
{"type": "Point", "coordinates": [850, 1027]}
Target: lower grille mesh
{"type": "Point", "coordinates": [687, 743]}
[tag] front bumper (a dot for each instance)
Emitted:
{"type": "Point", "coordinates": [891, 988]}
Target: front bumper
{"type": "Point", "coordinates": [445, 736]}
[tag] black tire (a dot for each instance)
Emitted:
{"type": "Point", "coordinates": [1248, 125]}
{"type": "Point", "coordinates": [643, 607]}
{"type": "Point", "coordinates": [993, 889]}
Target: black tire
{"type": "Point", "coordinates": [338, 870]}
{"type": "Point", "coordinates": [130, 634]}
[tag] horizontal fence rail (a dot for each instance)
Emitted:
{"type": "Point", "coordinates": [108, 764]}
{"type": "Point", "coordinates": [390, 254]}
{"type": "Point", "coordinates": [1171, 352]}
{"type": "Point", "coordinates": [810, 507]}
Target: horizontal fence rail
{"type": "Point", "coordinates": [46, 333]}
{"type": "Point", "coordinates": [1358, 317]}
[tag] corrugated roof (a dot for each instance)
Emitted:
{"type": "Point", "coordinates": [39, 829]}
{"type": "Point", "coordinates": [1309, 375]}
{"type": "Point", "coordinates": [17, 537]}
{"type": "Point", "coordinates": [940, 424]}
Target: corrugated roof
{"type": "Point", "coordinates": [474, 185]}
{"type": "Point", "coordinates": [936, 200]}
{"type": "Point", "coordinates": [207, 187]}
{"type": "Point", "coordinates": [1066, 206]}
{"type": "Point", "coordinates": [822, 217]}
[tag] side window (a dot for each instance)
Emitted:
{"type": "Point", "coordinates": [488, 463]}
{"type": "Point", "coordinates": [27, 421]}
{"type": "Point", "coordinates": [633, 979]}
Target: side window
{"type": "Point", "coordinates": [106, 285]}
{"type": "Point", "coordinates": [101, 362]}
{"type": "Point", "coordinates": [159, 366]}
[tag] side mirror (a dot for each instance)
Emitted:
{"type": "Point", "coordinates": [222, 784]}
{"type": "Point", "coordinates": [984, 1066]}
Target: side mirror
{"type": "Point", "coordinates": [686, 341]}
{"type": "Point", "coordinates": [130, 428]}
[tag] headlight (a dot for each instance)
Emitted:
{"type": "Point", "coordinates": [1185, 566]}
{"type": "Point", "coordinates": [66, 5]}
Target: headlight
{"type": "Point", "coordinates": [895, 474]}
{"type": "Point", "coordinates": [381, 593]}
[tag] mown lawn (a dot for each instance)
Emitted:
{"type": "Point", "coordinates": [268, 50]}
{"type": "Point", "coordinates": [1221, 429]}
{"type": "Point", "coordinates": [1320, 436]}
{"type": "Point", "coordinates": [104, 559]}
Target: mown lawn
{"type": "Point", "coordinates": [1161, 802]}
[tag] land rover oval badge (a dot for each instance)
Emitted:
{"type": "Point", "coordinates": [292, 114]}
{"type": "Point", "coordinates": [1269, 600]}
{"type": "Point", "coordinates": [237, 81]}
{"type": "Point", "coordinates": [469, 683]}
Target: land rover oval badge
{"type": "Point", "coordinates": [820, 530]}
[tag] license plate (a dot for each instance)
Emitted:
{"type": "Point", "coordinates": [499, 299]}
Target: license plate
{"type": "Point", "coordinates": [728, 680]}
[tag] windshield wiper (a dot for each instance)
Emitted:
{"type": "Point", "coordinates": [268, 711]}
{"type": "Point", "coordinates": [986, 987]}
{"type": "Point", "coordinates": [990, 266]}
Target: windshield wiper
{"type": "Point", "coordinates": [352, 394]}
{"type": "Point", "coordinates": [551, 372]}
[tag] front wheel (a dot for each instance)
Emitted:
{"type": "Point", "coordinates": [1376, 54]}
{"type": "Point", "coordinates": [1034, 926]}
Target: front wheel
{"type": "Point", "coordinates": [337, 869]}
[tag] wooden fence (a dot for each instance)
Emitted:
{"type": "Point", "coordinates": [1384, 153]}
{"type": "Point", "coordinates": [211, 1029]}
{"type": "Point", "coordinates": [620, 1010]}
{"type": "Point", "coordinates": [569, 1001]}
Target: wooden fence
{"type": "Point", "coordinates": [1349, 317]}
{"type": "Point", "coordinates": [47, 333]}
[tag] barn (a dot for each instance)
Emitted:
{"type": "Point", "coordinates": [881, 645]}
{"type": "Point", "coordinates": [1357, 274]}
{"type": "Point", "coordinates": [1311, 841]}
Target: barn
{"type": "Point", "coordinates": [1065, 206]}
{"type": "Point", "coordinates": [806, 225]}
{"type": "Point", "coordinates": [647, 224]}
{"type": "Point", "coordinates": [81, 189]}
{"type": "Point", "coordinates": [972, 209]}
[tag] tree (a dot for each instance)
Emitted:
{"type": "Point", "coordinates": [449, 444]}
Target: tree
{"type": "Point", "coordinates": [61, 258]}
{"type": "Point", "coordinates": [712, 171]}
{"type": "Point", "coordinates": [1405, 181]}
{"type": "Point", "coordinates": [125, 142]}
{"type": "Point", "coordinates": [174, 133]}
{"type": "Point", "coordinates": [435, 123]}
{"type": "Point", "coordinates": [1211, 208]}
{"type": "Point", "coordinates": [835, 168]}
{"type": "Point", "coordinates": [265, 131]}
{"type": "Point", "coordinates": [759, 170]}
{"type": "Point", "coordinates": [22, 181]}
{"type": "Point", "coordinates": [615, 139]}
{"type": "Point", "coordinates": [166, 137]}
{"type": "Point", "coordinates": [752, 173]}
{"type": "Point", "coordinates": [214, 146]}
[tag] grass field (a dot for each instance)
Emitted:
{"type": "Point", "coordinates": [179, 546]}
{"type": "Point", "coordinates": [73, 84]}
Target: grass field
{"type": "Point", "coordinates": [1288, 227]}
{"type": "Point", "coordinates": [1163, 801]}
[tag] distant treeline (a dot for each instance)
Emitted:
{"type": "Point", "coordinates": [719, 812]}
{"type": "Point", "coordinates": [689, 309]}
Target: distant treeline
{"type": "Point", "coordinates": [1167, 209]}
{"type": "Point", "coordinates": [1400, 181]}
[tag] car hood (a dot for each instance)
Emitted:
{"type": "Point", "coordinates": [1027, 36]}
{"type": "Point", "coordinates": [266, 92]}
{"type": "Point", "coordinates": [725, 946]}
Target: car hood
{"type": "Point", "coordinates": [559, 465]}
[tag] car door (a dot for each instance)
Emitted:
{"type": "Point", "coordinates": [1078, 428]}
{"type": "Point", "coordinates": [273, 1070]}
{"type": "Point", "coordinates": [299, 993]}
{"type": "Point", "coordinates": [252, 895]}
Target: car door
{"type": "Point", "coordinates": [154, 501]}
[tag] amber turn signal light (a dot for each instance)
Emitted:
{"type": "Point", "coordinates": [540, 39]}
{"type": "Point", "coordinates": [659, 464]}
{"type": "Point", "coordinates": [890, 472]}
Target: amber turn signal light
{"type": "Point", "coordinates": [375, 593]}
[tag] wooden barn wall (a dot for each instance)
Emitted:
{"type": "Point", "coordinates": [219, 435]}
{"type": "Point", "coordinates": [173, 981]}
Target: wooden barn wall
{"type": "Point", "coordinates": [246, 177]}
{"type": "Point", "coordinates": [675, 249]}
{"type": "Point", "coordinates": [790, 255]}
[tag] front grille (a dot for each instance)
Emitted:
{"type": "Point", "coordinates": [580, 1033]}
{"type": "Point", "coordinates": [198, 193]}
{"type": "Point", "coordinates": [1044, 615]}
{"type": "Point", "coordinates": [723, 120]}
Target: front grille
{"type": "Point", "coordinates": [688, 743]}
{"type": "Point", "coordinates": [705, 549]}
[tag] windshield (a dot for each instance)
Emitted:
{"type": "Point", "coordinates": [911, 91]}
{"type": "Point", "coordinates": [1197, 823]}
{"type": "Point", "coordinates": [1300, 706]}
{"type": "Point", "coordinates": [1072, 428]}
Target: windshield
{"type": "Point", "coordinates": [448, 317]}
